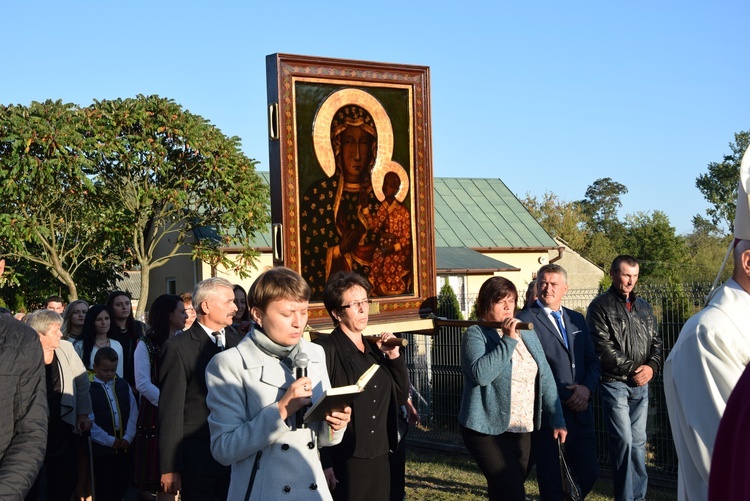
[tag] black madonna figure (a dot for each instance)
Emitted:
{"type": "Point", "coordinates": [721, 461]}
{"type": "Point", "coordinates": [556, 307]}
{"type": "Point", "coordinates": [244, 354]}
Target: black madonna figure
{"type": "Point", "coordinates": [334, 231]}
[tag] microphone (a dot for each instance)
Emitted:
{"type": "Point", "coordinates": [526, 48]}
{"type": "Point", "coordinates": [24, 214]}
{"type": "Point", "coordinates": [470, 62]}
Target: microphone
{"type": "Point", "coordinates": [301, 362]}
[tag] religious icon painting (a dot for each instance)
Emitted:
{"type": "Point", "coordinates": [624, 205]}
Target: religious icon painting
{"type": "Point", "coordinates": [351, 178]}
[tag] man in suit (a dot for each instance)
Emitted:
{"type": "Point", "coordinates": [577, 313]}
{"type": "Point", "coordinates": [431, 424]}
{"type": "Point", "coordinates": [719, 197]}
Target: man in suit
{"type": "Point", "coordinates": [184, 438]}
{"type": "Point", "coordinates": [575, 366]}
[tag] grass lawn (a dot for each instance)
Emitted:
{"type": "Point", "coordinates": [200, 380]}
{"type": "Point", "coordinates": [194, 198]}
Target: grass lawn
{"type": "Point", "coordinates": [446, 476]}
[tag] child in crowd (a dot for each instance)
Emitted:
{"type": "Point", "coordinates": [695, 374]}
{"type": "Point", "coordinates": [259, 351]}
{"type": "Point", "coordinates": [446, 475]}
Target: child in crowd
{"type": "Point", "coordinates": [114, 417]}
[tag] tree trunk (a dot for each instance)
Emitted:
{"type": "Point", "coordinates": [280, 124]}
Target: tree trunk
{"type": "Point", "coordinates": [140, 312]}
{"type": "Point", "coordinates": [67, 280]}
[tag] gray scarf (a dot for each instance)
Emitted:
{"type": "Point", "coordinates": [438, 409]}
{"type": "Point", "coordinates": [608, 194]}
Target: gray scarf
{"type": "Point", "coordinates": [284, 353]}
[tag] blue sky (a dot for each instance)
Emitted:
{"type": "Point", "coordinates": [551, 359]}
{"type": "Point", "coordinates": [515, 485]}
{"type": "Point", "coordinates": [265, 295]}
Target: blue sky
{"type": "Point", "coordinates": [547, 96]}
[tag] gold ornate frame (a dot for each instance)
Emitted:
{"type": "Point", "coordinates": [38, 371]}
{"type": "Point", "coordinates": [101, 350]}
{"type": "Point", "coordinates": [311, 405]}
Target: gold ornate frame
{"type": "Point", "coordinates": [303, 94]}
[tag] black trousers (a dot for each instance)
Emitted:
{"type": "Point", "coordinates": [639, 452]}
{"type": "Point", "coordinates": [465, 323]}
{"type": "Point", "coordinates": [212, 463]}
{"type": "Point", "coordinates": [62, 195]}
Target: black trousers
{"type": "Point", "coordinates": [113, 475]}
{"type": "Point", "coordinates": [208, 487]}
{"type": "Point", "coordinates": [59, 474]}
{"type": "Point", "coordinates": [504, 461]}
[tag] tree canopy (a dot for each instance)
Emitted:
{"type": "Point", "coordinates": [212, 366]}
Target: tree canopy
{"type": "Point", "coordinates": [109, 182]}
{"type": "Point", "coordinates": [565, 220]}
{"type": "Point", "coordinates": [719, 184]}
{"type": "Point", "coordinates": [602, 203]}
{"type": "Point", "coordinates": [592, 228]}
{"type": "Point", "coordinates": [51, 213]}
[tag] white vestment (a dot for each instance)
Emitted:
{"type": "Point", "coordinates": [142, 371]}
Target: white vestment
{"type": "Point", "coordinates": [702, 369]}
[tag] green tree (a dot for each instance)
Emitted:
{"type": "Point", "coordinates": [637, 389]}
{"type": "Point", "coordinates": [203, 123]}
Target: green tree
{"type": "Point", "coordinates": [652, 239]}
{"type": "Point", "coordinates": [29, 283]}
{"type": "Point", "coordinates": [706, 247]}
{"type": "Point", "coordinates": [719, 185]}
{"type": "Point", "coordinates": [169, 174]}
{"type": "Point", "coordinates": [560, 219]}
{"type": "Point", "coordinates": [51, 213]}
{"type": "Point", "coordinates": [607, 232]}
{"type": "Point", "coordinates": [600, 250]}
{"type": "Point", "coordinates": [602, 203]}
{"type": "Point", "coordinates": [448, 306]}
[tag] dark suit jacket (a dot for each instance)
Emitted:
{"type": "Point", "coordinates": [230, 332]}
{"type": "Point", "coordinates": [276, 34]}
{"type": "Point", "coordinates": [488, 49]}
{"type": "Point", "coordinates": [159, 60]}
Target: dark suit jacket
{"type": "Point", "coordinates": [184, 437]}
{"type": "Point", "coordinates": [578, 364]}
{"type": "Point", "coordinates": [336, 347]}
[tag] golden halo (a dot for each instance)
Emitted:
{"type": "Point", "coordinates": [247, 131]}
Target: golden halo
{"type": "Point", "coordinates": [379, 175]}
{"type": "Point", "coordinates": [322, 127]}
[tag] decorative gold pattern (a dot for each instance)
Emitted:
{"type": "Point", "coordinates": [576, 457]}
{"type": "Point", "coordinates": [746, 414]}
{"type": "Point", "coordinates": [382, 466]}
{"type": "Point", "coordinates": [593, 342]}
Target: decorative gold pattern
{"type": "Point", "coordinates": [289, 71]}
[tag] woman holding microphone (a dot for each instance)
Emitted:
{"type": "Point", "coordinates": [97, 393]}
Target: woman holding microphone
{"type": "Point", "coordinates": [254, 396]}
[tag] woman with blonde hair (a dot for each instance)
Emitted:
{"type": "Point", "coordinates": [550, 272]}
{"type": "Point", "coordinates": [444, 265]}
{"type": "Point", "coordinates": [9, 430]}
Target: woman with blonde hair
{"type": "Point", "coordinates": [73, 318]}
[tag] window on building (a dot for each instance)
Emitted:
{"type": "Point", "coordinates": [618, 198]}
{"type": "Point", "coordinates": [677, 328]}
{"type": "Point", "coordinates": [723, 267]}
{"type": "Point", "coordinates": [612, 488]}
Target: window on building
{"type": "Point", "coordinates": [458, 284]}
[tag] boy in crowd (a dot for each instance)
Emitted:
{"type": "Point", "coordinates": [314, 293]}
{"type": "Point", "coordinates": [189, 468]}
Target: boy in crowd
{"type": "Point", "coordinates": [114, 417]}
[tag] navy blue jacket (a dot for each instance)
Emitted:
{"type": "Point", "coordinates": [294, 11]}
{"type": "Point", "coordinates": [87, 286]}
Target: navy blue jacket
{"type": "Point", "coordinates": [577, 364]}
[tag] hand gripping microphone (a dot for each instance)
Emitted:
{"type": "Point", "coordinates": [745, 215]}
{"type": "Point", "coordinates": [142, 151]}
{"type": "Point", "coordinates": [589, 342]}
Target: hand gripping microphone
{"type": "Point", "coordinates": [300, 369]}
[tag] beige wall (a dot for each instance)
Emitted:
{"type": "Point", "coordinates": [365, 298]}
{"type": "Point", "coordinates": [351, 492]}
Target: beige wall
{"type": "Point", "coordinates": [527, 261]}
{"type": "Point", "coordinates": [182, 269]}
{"type": "Point", "coordinates": [187, 272]}
{"type": "Point", "coordinates": [582, 273]}
{"type": "Point", "coordinates": [264, 263]}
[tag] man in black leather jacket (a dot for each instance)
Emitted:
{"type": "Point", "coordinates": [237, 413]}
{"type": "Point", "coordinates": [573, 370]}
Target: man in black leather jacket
{"type": "Point", "coordinates": [623, 328]}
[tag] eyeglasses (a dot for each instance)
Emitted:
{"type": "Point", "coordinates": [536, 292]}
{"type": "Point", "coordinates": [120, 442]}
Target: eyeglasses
{"type": "Point", "coordinates": [357, 304]}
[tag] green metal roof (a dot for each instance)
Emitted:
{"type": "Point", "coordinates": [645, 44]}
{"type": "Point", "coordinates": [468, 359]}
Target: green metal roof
{"type": "Point", "coordinates": [482, 213]}
{"type": "Point", "coordinates": [467, 261]}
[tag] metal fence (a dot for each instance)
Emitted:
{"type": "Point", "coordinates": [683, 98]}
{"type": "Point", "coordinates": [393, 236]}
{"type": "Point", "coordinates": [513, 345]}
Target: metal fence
{"type": "Point", "coordinates": [435, 371]}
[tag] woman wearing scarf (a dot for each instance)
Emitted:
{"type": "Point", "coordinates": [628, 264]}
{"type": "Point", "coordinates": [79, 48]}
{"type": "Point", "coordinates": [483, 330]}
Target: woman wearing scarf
{"type": "Point", "coordinates": [254, 396]}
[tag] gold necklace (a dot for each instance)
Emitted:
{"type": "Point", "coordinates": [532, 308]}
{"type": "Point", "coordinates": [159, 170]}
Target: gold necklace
{"type": "Point", "coordinates": [99, 345]}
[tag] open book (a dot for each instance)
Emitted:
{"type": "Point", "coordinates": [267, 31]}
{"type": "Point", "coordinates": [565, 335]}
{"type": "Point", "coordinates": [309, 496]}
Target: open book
{"type": "Point", "coordinates": [336, 399]}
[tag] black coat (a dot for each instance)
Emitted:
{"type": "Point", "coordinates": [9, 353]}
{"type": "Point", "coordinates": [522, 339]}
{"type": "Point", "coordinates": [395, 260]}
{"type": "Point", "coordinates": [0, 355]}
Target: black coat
{"type": "Point", "coordinates": [624, 340]}
{"type": "Point", "coordinates": [340, 374]}
{"type": "Point", "coordinates": [23, 415]}
{"type": "Point", "coordinates": [184, 437]}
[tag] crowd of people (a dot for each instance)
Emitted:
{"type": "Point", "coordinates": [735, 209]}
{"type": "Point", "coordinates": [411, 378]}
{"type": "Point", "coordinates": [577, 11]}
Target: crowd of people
{"type": "Point", "coordinates": [207, 400]}
{"type": "Point", "coordinates": [204, 401]}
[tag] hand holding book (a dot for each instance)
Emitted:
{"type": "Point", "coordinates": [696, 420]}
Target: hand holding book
{"type": "Point", "coordinates": [337, 399]}
{"type": "Point", "coordinates": [338, 420]}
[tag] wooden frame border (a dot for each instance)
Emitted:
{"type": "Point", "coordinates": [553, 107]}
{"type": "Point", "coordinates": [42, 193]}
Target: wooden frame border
{"type": "Point", "coordinates": [289, 74]}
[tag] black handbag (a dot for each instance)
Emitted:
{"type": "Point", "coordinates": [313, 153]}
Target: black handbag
{"type": "Point", "coordinates": [570, 487]}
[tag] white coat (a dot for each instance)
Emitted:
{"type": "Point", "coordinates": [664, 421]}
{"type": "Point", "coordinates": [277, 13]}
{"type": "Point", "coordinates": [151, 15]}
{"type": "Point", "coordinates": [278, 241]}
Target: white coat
{"type": "Point", "coordinates": [702, 369]}
{"type": "Point", "coordinates": [244, 386]}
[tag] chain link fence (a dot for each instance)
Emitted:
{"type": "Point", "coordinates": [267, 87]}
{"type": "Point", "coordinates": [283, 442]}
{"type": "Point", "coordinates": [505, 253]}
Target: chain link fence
{"type": "Point", "coordinates": [435, 372]}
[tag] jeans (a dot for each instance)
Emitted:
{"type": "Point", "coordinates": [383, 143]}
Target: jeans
{"type": "Point", "coordinates": [626, 412]}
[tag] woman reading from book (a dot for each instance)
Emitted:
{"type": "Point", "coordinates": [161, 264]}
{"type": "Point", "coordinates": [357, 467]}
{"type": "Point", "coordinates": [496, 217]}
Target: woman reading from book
{"type": "Point", "coordinates": [254, 397]}
{"type": "Point", "coordinates": [357, 468]}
